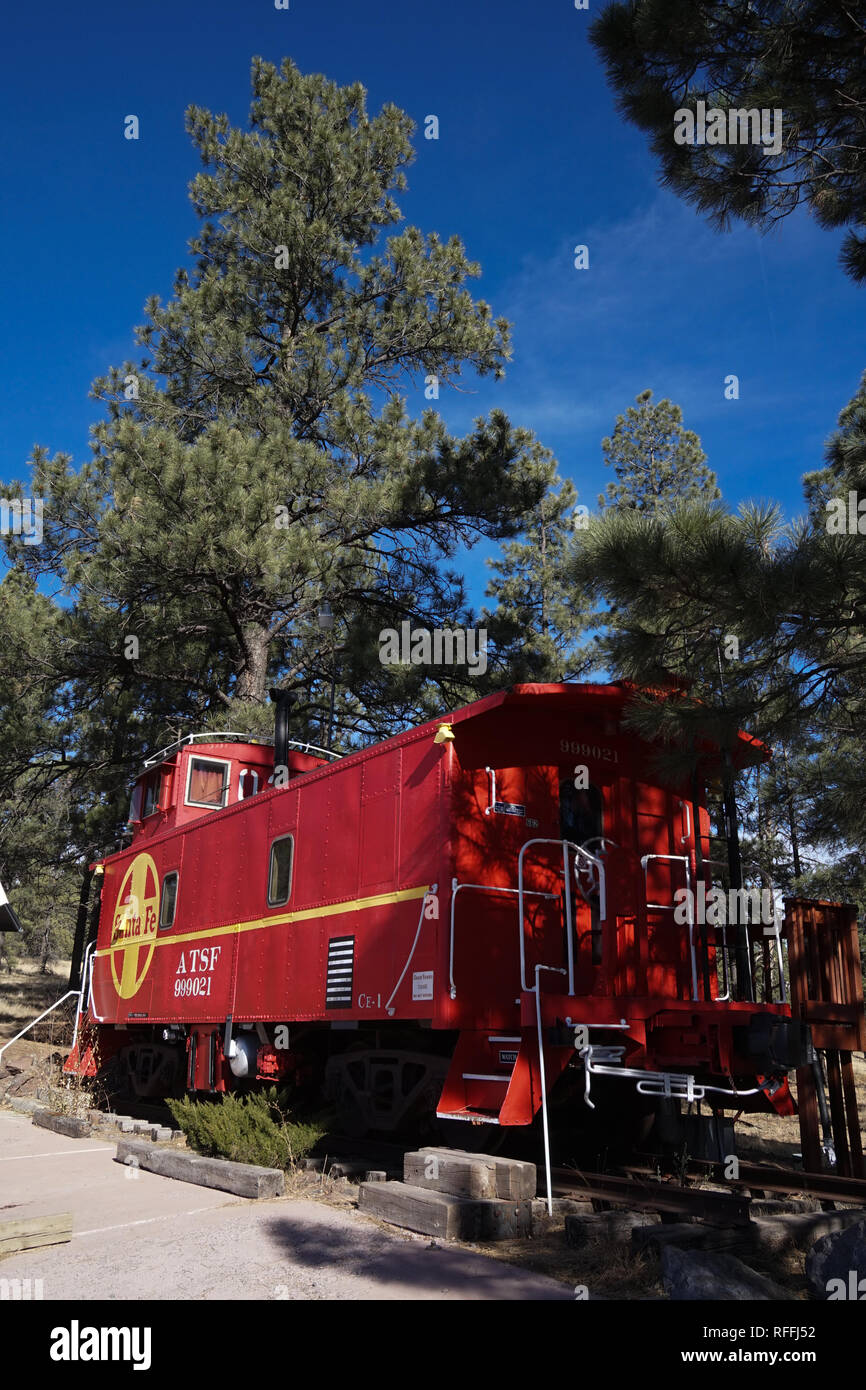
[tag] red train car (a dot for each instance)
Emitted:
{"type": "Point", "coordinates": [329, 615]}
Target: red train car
{"type": "Point", "coordinates": [456, 920]}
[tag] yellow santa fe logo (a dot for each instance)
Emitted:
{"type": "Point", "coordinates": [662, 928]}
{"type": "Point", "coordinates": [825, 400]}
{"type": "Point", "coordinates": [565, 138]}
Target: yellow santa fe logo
{"type": "Point", "coordinates": [133, 933]}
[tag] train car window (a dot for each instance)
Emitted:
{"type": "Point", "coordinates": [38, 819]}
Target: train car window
{"type": "Point", "coordinates": [580, 812]}
{"type": "Point", "coordinates": [207, 782]}
{"type": "Point", "coordinates": [168, 903]}
{"type": "Point", "coordinates": [150, 802]}
{"type": "Point", "coordinates": [280, 871]}
{"type": "Point", "coordinates": [247, 772]}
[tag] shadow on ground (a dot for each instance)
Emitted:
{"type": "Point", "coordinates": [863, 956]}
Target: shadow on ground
{"type": "Point", "coordinates": [425, 1265]}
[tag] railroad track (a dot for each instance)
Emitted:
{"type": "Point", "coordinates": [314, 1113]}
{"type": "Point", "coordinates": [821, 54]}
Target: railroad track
{"type": "Point", "coordinates": [653, 1194]}
{"type": "Point", "coordinates": [761, 1178]}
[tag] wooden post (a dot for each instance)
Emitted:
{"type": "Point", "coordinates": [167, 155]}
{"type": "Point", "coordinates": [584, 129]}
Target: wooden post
{"type": "Point", "coordinates": [837, 1111]}
{"type": "Point", "coordinates": [807, 1106]}
{"type": "Point", "coordinates": [858, 1169]}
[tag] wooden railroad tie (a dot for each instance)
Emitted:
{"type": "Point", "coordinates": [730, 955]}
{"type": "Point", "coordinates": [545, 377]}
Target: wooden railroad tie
{"type": "Point", "coordinates": [29, 1232]}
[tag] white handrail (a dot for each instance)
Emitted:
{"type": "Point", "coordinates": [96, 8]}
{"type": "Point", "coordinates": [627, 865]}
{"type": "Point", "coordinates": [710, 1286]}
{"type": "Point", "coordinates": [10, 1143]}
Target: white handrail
{"type": "Point", "coordinates": [602, 893]}
{"type": "Point", "coordinates": [666, 1083]}
{"type": "Point", "coordinates": [487, 888]}
{"type": "Point", "coordinates": [726, 974]}
{"type": "Point", "coordinates": [555, 970]}
{"type": "Point", "coordinates": [690, 903]}
{"type": "Point", "coordinates": [217, 734]}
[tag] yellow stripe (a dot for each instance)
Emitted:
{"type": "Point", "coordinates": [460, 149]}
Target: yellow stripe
{"type": "Point", "coordinates": [256, 924]}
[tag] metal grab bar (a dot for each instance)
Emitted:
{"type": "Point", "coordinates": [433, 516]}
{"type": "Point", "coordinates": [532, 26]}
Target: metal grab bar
{"type": "Point", "coordinates": [726, 974]}
{"type": "Point", "coordinates": [668, 907]}
{"type": "Point", "coordinates": [486, 888]}
{"type": "Point", "coordinates": [555, 970]}
{"type": "Point", "coordinates": [604, 843]}
{"type": "Point", "coordinates": [776, 929]}
{"type": "Point", "coordinates": [602, 894]}
{"type": "Point", "coordinates": [776, 932]}
{"type": "Point", "coordinates": [658, 1083]}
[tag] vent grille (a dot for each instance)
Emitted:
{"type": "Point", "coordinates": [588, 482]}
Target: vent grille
{"type": "Point", "coordinates": [341, 967]}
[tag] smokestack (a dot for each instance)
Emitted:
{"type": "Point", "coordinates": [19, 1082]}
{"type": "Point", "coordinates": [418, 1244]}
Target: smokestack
{"type": "Point", "coordinates": [283, 701]}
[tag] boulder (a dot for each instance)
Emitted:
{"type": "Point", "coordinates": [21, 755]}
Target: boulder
{"type": "Point", "coordinates": [696, 1276]}
{"type": "Point", "coordinates": [836, 1265]}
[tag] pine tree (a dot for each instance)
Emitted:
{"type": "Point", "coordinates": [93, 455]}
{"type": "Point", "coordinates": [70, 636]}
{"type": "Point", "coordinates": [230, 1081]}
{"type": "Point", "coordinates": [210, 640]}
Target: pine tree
{"type": "Point", "coordinates": [538, 621]}
{"type": "Point", "coordinates": [274, 452]}
{"type": "Point", "coordinates": [261, 459]}
{"type": "Point", "coordinates": [802, 61]}
{"type": "Point", "coordinates": [657, 463]}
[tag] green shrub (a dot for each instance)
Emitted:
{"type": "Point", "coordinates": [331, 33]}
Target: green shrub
{"type": "Point", "coordinates": [246, 1129]}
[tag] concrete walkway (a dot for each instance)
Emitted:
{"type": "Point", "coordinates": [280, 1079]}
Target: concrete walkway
{"type": "Point", "coordinates": [139, 1236]}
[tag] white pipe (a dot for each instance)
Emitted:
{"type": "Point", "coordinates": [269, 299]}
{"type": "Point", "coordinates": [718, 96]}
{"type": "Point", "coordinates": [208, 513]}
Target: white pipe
{"type": "Point", "coordinates": [555, 970]}
{"type": "Point", "coordinates": [432, 889]}
{"type": "Point", "coordinates": [569, 925]}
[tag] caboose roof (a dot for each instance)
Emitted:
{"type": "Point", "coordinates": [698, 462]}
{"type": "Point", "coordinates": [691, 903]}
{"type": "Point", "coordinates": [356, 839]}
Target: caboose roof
{"type": "Point", "coordinates": [586, 698]}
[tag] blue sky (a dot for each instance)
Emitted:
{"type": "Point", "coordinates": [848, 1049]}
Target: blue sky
{"type": "Point", "coordinates": [532, 160]}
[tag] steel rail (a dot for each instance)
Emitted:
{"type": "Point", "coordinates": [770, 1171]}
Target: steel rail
{"type": "Point", "coordinates": [766, 1178]}
{"type": "Point", "coordinates": [718, 1208]}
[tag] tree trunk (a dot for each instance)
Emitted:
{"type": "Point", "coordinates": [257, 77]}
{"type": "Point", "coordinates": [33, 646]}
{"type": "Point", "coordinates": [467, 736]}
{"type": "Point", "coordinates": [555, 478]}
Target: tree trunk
{"type": "Point", "coordinates": [252, 681]}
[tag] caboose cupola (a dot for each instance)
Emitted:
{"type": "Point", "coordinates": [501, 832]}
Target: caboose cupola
{"type": "Point", "coordinates": [203, 773]}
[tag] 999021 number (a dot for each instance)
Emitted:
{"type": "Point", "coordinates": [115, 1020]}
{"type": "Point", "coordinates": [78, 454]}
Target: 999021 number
{"type": "Point", "coordinates": [198, 984]}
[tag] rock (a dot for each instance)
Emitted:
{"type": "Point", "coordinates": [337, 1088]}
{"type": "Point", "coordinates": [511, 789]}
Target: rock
{"type": "Point", "coordinates": [700, 1276]}
{"type": "Point", "coordinates": [840, 1256]}
{"type": "Point", "coordinates": [768, 1235]}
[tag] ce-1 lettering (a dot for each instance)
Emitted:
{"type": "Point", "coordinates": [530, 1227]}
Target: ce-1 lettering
{"type": "Point", "coordinates": [366, 1001]}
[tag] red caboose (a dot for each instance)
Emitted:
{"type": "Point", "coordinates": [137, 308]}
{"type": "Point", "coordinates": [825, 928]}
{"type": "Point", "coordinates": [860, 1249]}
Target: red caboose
{"type": "Point", "coordinates": [451, 920]}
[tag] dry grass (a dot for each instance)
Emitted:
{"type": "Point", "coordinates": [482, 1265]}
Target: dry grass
{"type": "Point", "coordinates": [306, 1185]}
{"type": "Point", "coordinates": [606, 1268]}
{"type": "Point", "coordinates": [24, 993]}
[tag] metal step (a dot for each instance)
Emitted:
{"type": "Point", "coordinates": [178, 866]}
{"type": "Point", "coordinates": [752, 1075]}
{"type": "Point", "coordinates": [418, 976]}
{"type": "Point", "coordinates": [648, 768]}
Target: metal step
{"type": "Point", "coordinates": [484, 1116]}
